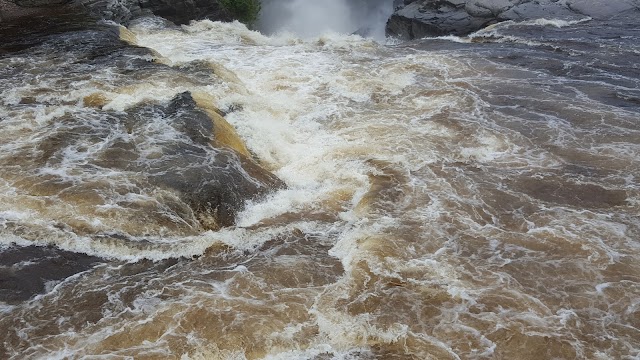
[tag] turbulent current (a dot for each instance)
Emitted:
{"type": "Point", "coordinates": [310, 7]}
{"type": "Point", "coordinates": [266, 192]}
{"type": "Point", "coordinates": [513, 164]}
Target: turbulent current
{"type": "Point", "coordinates": [210, 192]}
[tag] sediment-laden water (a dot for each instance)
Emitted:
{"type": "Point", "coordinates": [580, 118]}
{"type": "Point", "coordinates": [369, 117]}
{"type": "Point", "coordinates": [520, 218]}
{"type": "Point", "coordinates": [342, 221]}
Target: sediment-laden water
{"type": "Point", "coordinates": [451, 198]}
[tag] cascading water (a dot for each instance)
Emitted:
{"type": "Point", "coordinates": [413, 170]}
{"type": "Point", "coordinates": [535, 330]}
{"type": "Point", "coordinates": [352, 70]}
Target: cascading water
{"type": "Point", "coordinates": [451, 198]}
{"type": "Point", "coordinates": [306, 18]}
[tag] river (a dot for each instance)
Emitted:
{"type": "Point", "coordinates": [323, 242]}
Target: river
{"type": "Point", "coordinates": [449, 198]}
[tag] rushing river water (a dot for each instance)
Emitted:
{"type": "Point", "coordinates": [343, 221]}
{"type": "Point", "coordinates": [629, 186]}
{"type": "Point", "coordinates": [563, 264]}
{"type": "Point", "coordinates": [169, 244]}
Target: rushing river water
{"type": "Point", "coordinates": [452, 198]}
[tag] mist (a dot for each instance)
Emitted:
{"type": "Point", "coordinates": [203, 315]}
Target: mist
{"type": "Point", "coordinates": [309, 18]}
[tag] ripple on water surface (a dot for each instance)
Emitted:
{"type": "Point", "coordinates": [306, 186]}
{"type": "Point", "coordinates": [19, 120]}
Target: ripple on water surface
{"type": "Point", "coordinates": [440, 199]}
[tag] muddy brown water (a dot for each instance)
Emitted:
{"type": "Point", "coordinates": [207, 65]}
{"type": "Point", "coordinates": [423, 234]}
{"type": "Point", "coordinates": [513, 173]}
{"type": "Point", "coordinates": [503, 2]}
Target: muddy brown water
{"type": "Point", "coordinates": [451, 198]}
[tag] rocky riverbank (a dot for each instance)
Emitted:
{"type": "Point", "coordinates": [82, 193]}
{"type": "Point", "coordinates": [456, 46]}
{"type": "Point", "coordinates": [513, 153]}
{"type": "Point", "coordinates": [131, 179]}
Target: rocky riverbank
{"type": "Point", "coordinates": [10, 11]}
{"type": "Point", "coordinates": [422, 18]}
{"type": "Point", "coordinates": [120, 11]}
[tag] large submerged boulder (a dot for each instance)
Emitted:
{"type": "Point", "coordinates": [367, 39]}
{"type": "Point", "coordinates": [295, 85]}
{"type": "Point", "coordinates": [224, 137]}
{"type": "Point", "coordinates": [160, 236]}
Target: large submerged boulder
{"type": "Point", "coordinates": [108, 168]}
{"type": "Point", "coordinates": [421, 18]}
{"type": "Point", "coordinates": [214, 187]}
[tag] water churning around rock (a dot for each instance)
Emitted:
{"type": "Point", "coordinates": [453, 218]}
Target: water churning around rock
{"type": "Point", "coordinates": [207, 191]}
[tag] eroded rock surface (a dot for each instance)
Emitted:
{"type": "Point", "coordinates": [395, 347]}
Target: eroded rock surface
{"type": "Point", "coordinates": [421, 18]}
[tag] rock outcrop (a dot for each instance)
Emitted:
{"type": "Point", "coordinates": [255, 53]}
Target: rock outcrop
{"type": "Point", "coordinates": [421, 18]}
{"type": "Point", "coordinates": [214, 189]}
{"type": "Point", "coordinates": [123, 11]}
{"type": "Point", "coordinates": [155, 167]}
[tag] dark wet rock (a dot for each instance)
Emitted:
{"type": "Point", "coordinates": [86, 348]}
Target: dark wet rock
{"type": "Point", "coordinates": [170, 151]}
{"type": "Point", "coordinates": [123, 11]}
{"type": "Point", "coordinates": [422, 18]}
{"type": "Point", "coordinates": [40, 3]}
{"type": "Point", "coordinates": [533, 10]}
{"type": "Point", "coordinates": [177, 11]}
{"type": "Point", "coordinates": [183, 11]}
{"type": "Point", "coordinates": [434, 18]}
{"type": "Point", "coordinates": [188, 119]}
{"type": "Point", "coordinates": [603, 10]}
{"type": "Point", "coordinates": [27, 271]}
{"type": "Point", "coordinates": [214, 184]}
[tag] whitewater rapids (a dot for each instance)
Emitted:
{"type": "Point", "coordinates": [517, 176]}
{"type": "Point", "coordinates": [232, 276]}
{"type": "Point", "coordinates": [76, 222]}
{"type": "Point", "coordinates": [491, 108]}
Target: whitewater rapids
{"type": "Point", "coordinates": [453, 198]}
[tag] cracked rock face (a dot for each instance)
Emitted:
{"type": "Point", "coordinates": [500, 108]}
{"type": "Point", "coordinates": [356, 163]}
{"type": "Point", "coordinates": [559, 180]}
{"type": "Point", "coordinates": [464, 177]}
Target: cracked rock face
{"type": "Point", "coordinates": [421, 18]}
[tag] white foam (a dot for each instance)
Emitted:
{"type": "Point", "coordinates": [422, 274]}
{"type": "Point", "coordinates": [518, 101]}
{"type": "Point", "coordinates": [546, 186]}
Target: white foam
{"type": "Point", "coordinates": [319, 112]}
{"type": "Point", "coordinates": [5, 308]}
{"type": "Point", "coordinates": [158, 92]}
{"type": "Point", "coordinates": [559, 23]}
{"type": "Point", "coordinates": [456, 39]}
{"type": "Point", "coordinates": [601, 287]}
{"type": "Point", "coordinates": [284, 107]}
{"type": "Point", "coordinates": [494, 31]}
{"type": "Point", "coordinates": [490, 148]}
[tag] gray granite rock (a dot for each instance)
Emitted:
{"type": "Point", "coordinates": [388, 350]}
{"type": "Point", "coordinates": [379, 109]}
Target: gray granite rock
{"type": "Point", "coordinates": [537, 10]}
{"type": "Point", "coordinates": [599, 9]}
{"type": "Point", "coordinates": [487, 8]}
{"type": "Point", "coordinates": [421, 18]}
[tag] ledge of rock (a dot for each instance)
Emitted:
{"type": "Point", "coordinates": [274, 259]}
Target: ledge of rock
{"type": "Point", "coordinates": [120, 11]}
{"type": "Point", "coordinates": [421, 18]}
